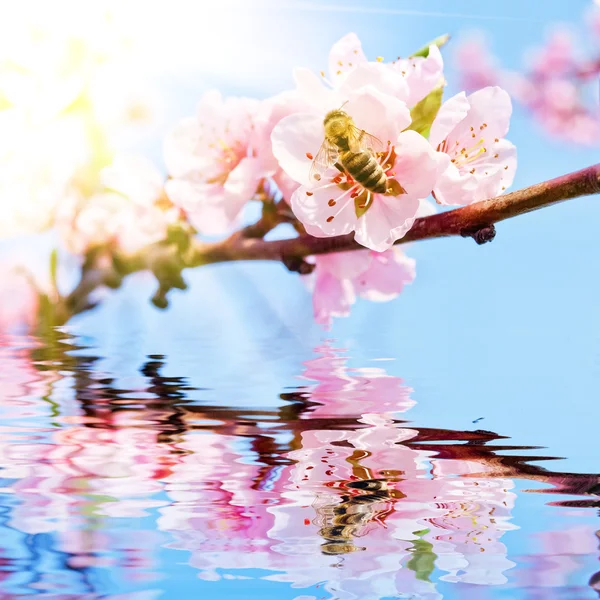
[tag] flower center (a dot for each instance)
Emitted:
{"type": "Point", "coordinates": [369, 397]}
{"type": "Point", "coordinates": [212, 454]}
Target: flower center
{"type": "Point", "coordinates": [362, 196]}
{"type": "Point", "coordinates": [228, 157]}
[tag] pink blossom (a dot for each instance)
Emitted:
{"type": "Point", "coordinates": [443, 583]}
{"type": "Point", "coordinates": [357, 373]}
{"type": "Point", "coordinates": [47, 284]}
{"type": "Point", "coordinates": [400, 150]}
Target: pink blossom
{"type": "Point", "coordinates": [556, 57]}
{"type": "Point", "coordinates": [340, 277]}
{"type": "Point", "coordinates": [270, 112]}
{"type": "Point", "coordinates": [558, 104]}
{"type": "Point", "coordinates": [211, 162]}
{"type": "Point", "coordinates": [469, 131]}
{"type": "Point", "coordinates": [130, 212]}
{"type": "Point", "coordinates": [349, 70]}
{"type": "Point", "coordinates": [593, 19]}
{"type": "Point", "coordinates": [559, 107]}
{"type": "Point", "coordinates": [421, 74]}
{"type": "Point", "coordinates": [328, 206]}
{"type": "Point", "coordinates": [477, 66]}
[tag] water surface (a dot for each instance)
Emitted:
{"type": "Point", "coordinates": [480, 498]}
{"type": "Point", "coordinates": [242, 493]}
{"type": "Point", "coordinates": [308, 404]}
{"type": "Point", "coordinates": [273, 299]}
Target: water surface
{"type": "Point", "coordinates": [126, 478]}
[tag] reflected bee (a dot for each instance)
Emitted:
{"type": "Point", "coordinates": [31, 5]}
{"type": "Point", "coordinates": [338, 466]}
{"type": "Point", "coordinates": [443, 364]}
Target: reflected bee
{"type": "Point", "coordinates": [341, 523]}
{"type": "Point", "coordinates": [371, 485]}
{"type": "Point", "coordinates": [336, 548]}
{"type": "Point", "coordinates": [355, 152]}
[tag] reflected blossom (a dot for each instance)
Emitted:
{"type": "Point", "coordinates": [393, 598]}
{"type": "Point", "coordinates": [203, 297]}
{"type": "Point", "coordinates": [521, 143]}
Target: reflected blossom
{"type": "Point", "coordinates": [339, 493]}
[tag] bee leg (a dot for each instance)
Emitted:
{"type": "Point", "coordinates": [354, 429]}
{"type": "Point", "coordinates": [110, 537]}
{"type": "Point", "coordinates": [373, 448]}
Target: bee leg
{"type": "Point", "coordinates": [339, 167]}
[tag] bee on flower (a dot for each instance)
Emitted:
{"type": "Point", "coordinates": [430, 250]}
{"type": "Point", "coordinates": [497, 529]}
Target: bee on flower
{"type": "Point", "coordinates": [381, 206]}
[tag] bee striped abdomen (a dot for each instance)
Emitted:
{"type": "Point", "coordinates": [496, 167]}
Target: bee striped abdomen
{"type": "Point", "coordinates": [366, 170]}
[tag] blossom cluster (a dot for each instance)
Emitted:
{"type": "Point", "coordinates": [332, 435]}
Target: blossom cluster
{"type": "Point", "coordinates": [390, 144]}
{"type": "Point", "coordinates": [235, 148]}
{"type": "Point", "coordinates": [558, 83]}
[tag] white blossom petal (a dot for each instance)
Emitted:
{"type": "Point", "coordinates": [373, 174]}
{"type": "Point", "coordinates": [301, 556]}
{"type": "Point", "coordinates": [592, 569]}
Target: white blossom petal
{"type": "Point", "coordinates": [295, 140]}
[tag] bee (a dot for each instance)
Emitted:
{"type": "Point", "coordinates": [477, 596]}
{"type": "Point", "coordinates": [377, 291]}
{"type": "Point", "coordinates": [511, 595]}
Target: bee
{"type": "Point", "coordinates": [355, 152]}
{"type": "Point", "coordinates": [340, 523]}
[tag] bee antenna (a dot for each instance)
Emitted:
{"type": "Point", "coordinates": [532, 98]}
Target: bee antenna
{"type": "Point", "coordinates": [342, 106]}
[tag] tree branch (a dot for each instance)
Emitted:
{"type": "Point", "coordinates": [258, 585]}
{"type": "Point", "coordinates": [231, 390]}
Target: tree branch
{"type": "Point", "coordinates": [476, 220]}
{"type": "Point", "coordinates": [465, 221]}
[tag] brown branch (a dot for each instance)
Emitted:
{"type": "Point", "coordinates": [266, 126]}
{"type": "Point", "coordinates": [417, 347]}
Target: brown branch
{"type": "Point", "coordinates": [465, 221]}
{"type": "Point", "coordinates": [476, 220]}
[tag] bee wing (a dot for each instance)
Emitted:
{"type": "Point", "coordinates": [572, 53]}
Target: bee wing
{"type": "Point", "coordinates": [361, 140]}
{"type": "Point", "coordinates": [325, 158]}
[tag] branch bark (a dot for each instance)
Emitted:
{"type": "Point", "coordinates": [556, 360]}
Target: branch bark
{"type": "Point", "coordinates": [476, 220]}
{"type": "Point", "coordinates": [466, 222]}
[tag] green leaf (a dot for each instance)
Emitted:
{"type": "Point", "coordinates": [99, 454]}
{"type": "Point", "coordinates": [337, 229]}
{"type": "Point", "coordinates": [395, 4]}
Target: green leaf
{"type": "Point", "coordinates": [424, 112]}
{"type": "Point", "coordinates": [423, 557]}
{"type": "Point", "coordinates": [54, 267]}
{"type": "Point", "coordinates": [440, 41]}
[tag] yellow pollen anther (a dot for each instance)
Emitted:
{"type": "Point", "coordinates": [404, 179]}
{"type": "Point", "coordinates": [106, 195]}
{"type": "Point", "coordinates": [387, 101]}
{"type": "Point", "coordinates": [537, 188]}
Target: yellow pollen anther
{"type": "Point", "coordinates": [338, 72]}
{"type": "Point", "coordinates": [503, 188]}
{"type": "Point", "coordinates": [380, 59]}
{"type": "Point", "coordinates": [472, 171]}
{"type": "Point", "coordinates": [340, 63]}
{"type": "Point", "coordinates": [403, 72]}
{"type": "Point", "coordinates": [496, 155]}
{"type": "Point", "coordinates": [496, 140]}
{"type": "Point", "coordinates": [472, 128]}
{"type": "Point", "coordinates": [506, 168]}
{"type": "Point", "coordinates": [473, 135]}
{"type": "Point", "coordinates": [322, 73]}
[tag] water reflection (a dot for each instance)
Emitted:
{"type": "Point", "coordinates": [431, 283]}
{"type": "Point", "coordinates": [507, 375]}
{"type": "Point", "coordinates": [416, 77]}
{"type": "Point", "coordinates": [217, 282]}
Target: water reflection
{"type": "Point", "coordinates": [107, 491]}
